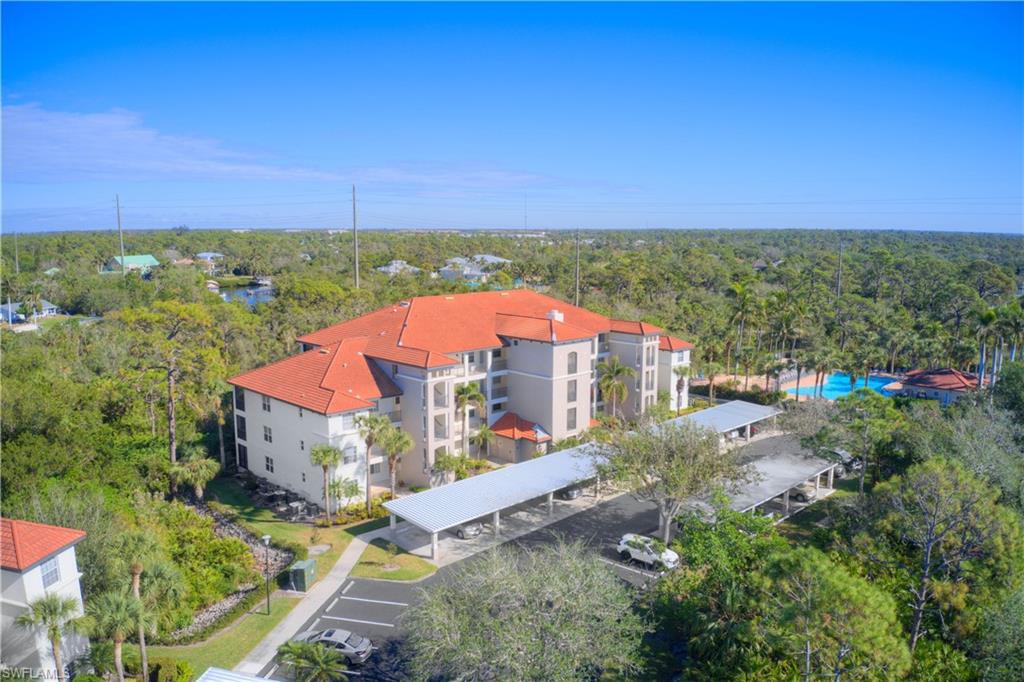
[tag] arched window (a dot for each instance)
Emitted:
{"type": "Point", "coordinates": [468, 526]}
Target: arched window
{"type": "Point", "coordinates": [572, 362]}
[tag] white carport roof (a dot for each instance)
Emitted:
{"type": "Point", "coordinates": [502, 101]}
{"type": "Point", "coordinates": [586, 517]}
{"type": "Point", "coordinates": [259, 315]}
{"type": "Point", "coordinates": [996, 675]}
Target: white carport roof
{"type": "Point", "coordinates": [222, 675]}
{"type": "Point", "coordinates": [449, 505]}
{"type": "Point", "coordinates": [777, 473]}
{"type": "Point", "coordinates": [730, 416]}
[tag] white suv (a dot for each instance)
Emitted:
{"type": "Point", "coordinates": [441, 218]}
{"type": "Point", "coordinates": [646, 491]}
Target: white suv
{"type": "Point", "coordinates": [646, 551]}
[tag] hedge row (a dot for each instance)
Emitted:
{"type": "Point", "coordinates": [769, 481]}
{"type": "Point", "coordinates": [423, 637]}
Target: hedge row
{"type": "Point", "coordinates": [756, 396]}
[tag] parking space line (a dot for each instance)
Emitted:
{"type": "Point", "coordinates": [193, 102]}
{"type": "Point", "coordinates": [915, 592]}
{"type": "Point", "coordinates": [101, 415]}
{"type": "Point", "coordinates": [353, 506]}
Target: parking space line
{"type": "Point", "coordinates": [350, 584]}
{"type": "Point", "coordinates": [272, 671]}
{"type": "Point", "coordinates": [364, 622]}
{"type": "Point", "coordinates": [374, 601]}
{"type": "Point", "coordinates": [332, 604]}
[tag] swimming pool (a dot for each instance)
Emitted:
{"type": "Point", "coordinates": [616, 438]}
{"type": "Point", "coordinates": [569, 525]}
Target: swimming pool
{"type": "Point", "coordinates": [838, 384]}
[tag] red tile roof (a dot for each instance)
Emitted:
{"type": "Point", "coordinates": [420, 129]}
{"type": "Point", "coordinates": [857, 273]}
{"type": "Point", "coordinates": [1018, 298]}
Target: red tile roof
{"type": "Point", "coordinates": [947, 379]}
{"type": "Point", "coordinates": [335, 378]}
{"type": "Point", "coordinates": [511, 425]}
{"type": "Point", "coordinates": [538, 329]}
{"type": "Point", "coordinates": [23, 544]}
{"type": "Point", "coordinates": [634, 327]}
{"type": "Point", "coordinates": [457, 323]}
{"type": "Point", "coordinates": [673, 344]}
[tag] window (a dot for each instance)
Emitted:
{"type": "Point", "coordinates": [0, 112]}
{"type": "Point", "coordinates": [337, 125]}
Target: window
{"type": "Point", "coordinates": [348, 422]}
{"type": "Point", "coordinates": [499, 407]}
{"type": "Point", "coordinates": [266, 403]}
{"type": "Point", "coordinates": [572, 362]}
{"type": "Point", "coordinates": [303, 476]}
{"type": "Point", "coordinates": [239, 398]}
{"type": "Point", "coordinates": [243, 456]}
{"type": "Point", "coordinates": [268, 435]}
{"type": "Point", "coordinates": [394, 370]}
{"type": "Point", "coordinates": [300, 413]}
{"type": "Point", "coordinates": [268, 464]}
{"type": "Point", "coordinates": [240, 427]}
{"type": "Point", "coordinates": [348, 455]}
{"type": "Point", "coordinates": [375, 468]}
{"type": "Point", "coordinates": [471, 357]}
{"type": "Point", "coordinates": [398, 400]}
{"type": "Point", "coordinates": [302, 445]}
{"type": "Point", "coordinates": [572, 391]}
{"type": "Point", "coordinates": [496, 353]}
{"type": "Point", "coordinates": [570, 419]}
{"type": "Point", "coordinates": [51, 572]}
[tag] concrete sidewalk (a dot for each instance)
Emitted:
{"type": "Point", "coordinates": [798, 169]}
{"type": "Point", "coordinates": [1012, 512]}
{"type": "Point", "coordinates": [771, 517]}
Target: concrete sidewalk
{"type": "Point", "coordinates": [264, 652]}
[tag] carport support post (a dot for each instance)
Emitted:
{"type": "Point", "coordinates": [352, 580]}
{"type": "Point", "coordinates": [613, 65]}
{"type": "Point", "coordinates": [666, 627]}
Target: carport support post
{"type": "Point", "coordinates": [831, 471]}
{"type": "Point", "coordinates": [497, 522]}
{"type": "Point", "coordinates": [393, 524]}
{"type": "Point", "coordinates": [817, 484]}
{"type": "Point", "coordinates": [433, 547]}
{"type": "Point", "coordinates": [551, 503]}
{"type": "Point", "coordinates": [785, 502]}
{"type": "Point", "coordinates": [748, 433]}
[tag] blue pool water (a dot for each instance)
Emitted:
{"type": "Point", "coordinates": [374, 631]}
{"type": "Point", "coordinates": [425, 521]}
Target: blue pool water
{"type": "Point", "coordinates": [838, 384]}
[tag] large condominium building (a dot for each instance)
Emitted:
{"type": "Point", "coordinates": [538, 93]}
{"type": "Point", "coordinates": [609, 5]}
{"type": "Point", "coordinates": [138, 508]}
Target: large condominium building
{"type": "Point", "coordinates": [534, 359]}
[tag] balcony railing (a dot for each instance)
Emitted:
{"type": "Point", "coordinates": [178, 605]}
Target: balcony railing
{"type": "Point", "coordinates": [440, 400]}
{"type": "Point", "coordinates": [395, 416]}
{"type": "Point", "coordinates": [499, 364]}
{"type": "Point", "coordinates": [499, 392]}
{"type": "Point", "coordinates": [603, 347]}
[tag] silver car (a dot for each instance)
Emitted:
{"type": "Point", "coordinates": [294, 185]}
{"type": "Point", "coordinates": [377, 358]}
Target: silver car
{"type": "Point", "coordinates": [469, 530]}
{"type": "Point", "coordinates": [353, 647]}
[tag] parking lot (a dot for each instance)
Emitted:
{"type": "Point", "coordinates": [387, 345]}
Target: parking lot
{"type": "Point", "coordinates": [374, 608]}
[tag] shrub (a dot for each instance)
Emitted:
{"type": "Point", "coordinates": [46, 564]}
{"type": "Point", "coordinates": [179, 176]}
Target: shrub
{"type": "Point", "coordinates": [357, 511]}
{"type": "Point", "coordinates": [168, 670]}
{"type": "Point", "coordinates": [419, 488]}
{"type": "Point", "coordinates": [754, 396]}
{"type": "Point", "coordinates": [87, 677]}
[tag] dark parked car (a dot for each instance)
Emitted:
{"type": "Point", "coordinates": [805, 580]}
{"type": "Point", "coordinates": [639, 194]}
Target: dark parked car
{"type": "Point", "coordinates": [570, 493]}
{"type": "Point", "coordinates": [353, 647]}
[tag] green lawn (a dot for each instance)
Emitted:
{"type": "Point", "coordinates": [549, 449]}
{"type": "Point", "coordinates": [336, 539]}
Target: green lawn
{"type": "Point", "coordinates": [373, 564]}
{"type": "Point", "coordinates": [229, 646]}
{"type": "Point", "coordinates": [227, 491]}
{"type": "Point", "coordinates": [799, 528]}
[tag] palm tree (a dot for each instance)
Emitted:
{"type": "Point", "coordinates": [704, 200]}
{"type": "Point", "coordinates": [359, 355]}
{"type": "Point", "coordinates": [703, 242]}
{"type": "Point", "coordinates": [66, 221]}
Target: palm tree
{"type": "Point", "coordinates": [313, 662]}
{"type": "Point", "coordinates": [325, 456]}
{"type": "Point", "coordinates": [371, 428]}
{"type": "Point", "coordinates": [1014, 327]}
{"type": "Point", "coordinates": [114, 616]}
{"type": "Point", "coordinates": [135, 549]}
{"type": "Point", "coordinates": [984, 327]}
{"type": "Point", "coordinates": [161, 584]}
{"type": "Point", "coordinates": [58, 616]}
{"type": "Point", "coordinates": [346, 488]}
{"type": "Point", "coordinates": [800, 361]}
{"type": "Point", "coordinates": [682, 373]}
{"type": "Point", "coordinates": [468, 396]}
{"type": "Point", "coordinates": [483, 438]}
{"type": "Point", "coordinates": [195, 469]}
{"type": "Point", "coordinates": [394, 443]}
{"type": "Point", "coordinates": [744, 307]}
{"type": "Point", "coordinates": [612, 380]}
{"type": "Point", "coordinates": [711, 369]}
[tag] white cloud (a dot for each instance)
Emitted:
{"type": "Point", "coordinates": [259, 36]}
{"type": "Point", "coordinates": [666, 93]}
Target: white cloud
{"type": "Point", "coordinates": [40, 145]}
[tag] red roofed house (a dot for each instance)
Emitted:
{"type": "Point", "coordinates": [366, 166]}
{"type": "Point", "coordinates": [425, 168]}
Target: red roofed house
{"type": "Point", "coordinates": [37, 560]}
{"type": "Point", "coordinates": [945, 385]}
{"type": "Point", "coordinates": [533, 357]}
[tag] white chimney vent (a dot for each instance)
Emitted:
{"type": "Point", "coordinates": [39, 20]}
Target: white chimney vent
{"type": "Point", "coordinates": [556, 315]}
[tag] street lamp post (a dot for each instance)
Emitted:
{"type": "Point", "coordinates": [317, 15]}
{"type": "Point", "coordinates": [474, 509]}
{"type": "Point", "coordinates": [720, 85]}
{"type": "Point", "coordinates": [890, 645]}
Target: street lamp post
{"type": "Point", "coordinates": [266, 568]}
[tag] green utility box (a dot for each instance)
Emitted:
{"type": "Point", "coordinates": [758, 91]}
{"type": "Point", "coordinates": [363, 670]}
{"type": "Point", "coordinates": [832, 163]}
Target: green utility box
{"type": "Point", "coordinates": [300, 575]}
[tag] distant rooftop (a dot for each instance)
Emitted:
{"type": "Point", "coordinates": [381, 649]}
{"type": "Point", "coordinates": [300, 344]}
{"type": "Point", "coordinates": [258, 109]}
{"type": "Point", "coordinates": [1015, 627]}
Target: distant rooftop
{"type": "Point", "coordinates": [138, 259]}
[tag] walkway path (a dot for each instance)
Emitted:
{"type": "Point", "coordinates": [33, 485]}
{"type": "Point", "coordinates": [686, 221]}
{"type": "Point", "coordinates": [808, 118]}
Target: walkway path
{"type": "Point", "coordinates": [264, 652]}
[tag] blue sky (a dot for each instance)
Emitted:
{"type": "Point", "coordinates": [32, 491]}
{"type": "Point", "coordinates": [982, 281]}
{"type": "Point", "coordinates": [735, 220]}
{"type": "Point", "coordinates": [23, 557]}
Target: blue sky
{"type": "Point", "coordinates": [904, 116]}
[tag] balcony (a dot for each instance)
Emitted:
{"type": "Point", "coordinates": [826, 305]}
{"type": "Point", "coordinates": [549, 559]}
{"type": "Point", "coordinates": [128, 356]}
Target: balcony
{"type": "Point", "coordinates": [499, 364]}
{"type": "Point", "coordinates": [499, 392]}
{"type": "Point", "coordinates": [440, 398]}
{"type": "Point", "coordinates": [603, 347]}
{"type": "Point", "coordinates": [395, 416]}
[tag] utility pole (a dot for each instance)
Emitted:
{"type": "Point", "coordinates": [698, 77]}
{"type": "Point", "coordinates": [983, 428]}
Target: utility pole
{"type": "Point", "coordinates": [839, 276]}
{"type": "Point", "coordinates": [120, 234]}
{"type": "Point", "coordinates": [355, 235]}
{"type": "Point", "coordinates": [577, 267]}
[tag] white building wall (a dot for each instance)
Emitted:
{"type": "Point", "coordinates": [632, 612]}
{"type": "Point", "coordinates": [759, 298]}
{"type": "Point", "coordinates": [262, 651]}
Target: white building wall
{"type": "Point", "coordinates": [284, 460]}
{"type": "Point", "coordinates": [667, 379]}
{"type": "Point", "coordinates": [31, 648]}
